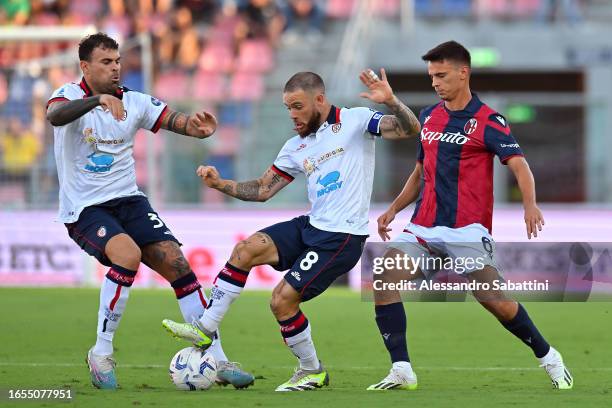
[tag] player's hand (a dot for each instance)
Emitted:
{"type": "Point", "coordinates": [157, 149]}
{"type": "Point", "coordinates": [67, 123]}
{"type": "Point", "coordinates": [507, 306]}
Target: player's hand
{"type": "Point", "coordinates": [210, 175]}
{"type": "Point", "coordinates": [201, 125]}
{"type": "Point", "coordinates": [113, 105]}
{"type": "Point", "coordinates": [379, 89]}
{"type": "Point", "coordinates": [383, 224]}
{"type": "Point", "coordinates": [534, 220]}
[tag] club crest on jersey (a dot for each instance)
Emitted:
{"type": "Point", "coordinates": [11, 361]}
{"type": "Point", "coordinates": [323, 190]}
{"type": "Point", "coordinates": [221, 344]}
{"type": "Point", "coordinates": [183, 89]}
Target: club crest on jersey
{"type": "Point", "coordinates": [336, 127]}
{"type": "Point", "coordinates": [101, 232]}
{"type": "Point", "coordinates": [470, 126]}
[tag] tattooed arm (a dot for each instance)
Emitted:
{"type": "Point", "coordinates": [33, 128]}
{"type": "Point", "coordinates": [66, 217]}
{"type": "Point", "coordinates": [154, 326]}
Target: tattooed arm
{"type": "Point", "coordinates": [260, 189]}
{"type": "Point", "coordinates": [403, 123]}
{"type": "Point", "coordinates": [200, 125]}
{"type": "Point", "coordinates": [60, 113]}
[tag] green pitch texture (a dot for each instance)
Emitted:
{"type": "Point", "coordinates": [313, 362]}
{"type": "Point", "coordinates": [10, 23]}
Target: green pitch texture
{"type": "Point", "coordinates": [462, 356]}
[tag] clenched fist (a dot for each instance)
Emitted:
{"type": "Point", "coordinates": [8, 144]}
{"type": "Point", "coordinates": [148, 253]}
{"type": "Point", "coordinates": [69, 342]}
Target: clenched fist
{"type": "Point", "coordinates": [210, 175]}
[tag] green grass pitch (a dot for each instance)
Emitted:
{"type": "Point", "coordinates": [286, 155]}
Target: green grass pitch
{"type": "Point", "coordinates": [462, 356]}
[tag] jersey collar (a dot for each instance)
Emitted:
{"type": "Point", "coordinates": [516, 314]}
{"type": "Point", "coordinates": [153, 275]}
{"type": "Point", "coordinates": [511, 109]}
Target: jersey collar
{"type": "Point", "coordinates": [470, 109]}
{"type": "Point", "coordinates": [334, 115]}
{"type": "Point", "coordinates": [88, 92]}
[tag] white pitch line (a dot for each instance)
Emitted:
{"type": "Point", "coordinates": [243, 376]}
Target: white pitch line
{"type": "Point", "coordinates": [432, 368]}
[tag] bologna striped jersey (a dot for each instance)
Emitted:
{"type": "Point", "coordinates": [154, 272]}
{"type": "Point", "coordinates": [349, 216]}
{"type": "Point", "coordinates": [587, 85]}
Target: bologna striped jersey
{"type": "Point", "coordinates": [456, 149]}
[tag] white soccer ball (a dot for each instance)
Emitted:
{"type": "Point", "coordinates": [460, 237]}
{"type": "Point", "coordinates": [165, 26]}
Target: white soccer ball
{"type": "Point", "coordinates": [193, 369]}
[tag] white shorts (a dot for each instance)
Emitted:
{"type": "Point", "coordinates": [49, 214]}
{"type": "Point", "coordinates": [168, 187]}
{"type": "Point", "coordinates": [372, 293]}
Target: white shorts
{"type": "Point", "coordinates": [462, 250]}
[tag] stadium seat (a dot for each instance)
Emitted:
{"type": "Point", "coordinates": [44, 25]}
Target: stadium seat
{"type": "Point", "coordinates": [386, 8]}
{"type": "Point", "coordinates": [12, 194]}
{"type": "Point", "coordinates": [246, 86]}
{"type": "Point", "coordinates": [171, 85]}
{"type": "Point", "coordinates": [255, 56]}
{"type": "Point", "coordinates": [209, 86]}
{"type": "Point", "coordinates": [341, 9]}
{"type": "Point", "coordinates": [457, 8]}
{"type": "Point", "coordinates": [217, 57]}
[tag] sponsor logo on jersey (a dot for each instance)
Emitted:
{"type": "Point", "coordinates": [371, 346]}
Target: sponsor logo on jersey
{"type": "Point", "coordinates": [99, 163]}
{"type": "Point", "coordinates": [470, 126]}
{"type": "Point", "coordinates": [155, 101]}
{"type": "Point", "coordinates": [311, 165]}
{"type": "Point", "coordinates": [454, 138]}
{"type": "Point", "coordinates": [330, 183]}
{"type": "Point", "coordinates": [509, 145]}
{"type": "Point", "coordinates": [336, 127]}
{"type": "Point", "coordinates": [101, 232]}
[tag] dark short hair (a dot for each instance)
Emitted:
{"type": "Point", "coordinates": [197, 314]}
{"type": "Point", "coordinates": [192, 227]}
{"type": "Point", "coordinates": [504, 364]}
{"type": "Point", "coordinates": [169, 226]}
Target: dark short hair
{"type": "Point", "coordinates": [450, 51]}
{"type": "Point", "coordinates": [87, 45]}
{"type": "Point", "coordinates": [306, 81]}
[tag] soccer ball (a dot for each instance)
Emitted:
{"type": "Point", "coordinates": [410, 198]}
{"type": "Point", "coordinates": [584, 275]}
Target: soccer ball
{"type": "Point", "coordinates": [193, 369]}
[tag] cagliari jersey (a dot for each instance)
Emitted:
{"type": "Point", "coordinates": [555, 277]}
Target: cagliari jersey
{"type": "Point", "coordinates": [456, 149]}
{"type": "Point", "coordinates": [94, 152]}
{"type": "Point", "coordinates": [338, 162]}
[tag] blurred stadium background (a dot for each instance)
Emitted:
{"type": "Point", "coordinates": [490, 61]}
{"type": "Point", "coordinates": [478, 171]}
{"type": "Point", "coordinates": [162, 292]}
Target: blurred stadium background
{"type": "Point", "coordinates": [545, 64]}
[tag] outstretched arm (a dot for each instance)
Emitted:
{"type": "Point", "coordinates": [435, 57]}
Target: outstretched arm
{"type": "Point", "coordinates": [201, 125]}
{"type": "Point", "coordinates": [62, 112]}
{"type": "Point", "coordinates": [409, 194]}
{"type": "Point", "coordinates": [403, 123]}
{"type": "Point", "coordinates": [533, 216]}
{"type": "Point", "coordinates": [260, 189]}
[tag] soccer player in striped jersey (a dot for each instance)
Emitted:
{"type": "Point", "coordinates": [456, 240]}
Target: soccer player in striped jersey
{"type": "Point", "coordinates": [452, 184]}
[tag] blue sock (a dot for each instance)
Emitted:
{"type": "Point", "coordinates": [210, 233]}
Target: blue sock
{"type": "Point", "coordinates": [391, 321]}
{"type": "Point", "coordinates": [523, 328]}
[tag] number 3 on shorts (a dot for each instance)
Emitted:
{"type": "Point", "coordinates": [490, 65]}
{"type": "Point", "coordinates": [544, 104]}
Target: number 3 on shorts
{"type": "Point", "coordinates": [153, 217]}
{"type": "Point", "coordinates": [310, 259]}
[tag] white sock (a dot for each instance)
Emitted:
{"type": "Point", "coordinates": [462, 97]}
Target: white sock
{"type": "Point", "coordinates": [193, 302]}
{"type": "Point", "coordinates": [296, 332]}
{"type": "Point", "coordinates": [228, 285]}
{"type": "Point", "coordinates": [113, 299]}
{"type": "Point", "coordinates": [551, 356]}
{"type": "Point", "coordinates": [403, 366]}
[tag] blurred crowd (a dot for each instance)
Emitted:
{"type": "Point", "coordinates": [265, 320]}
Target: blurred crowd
{"type": "Point", "coordinates": [213, 53]}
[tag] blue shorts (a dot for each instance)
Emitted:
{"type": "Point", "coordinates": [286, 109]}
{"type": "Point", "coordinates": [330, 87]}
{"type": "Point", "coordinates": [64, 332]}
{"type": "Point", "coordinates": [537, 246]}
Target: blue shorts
{"type": "Point", "coordinates": [315, 258]}
{"type": "Point", "coordinates": [133, 216]}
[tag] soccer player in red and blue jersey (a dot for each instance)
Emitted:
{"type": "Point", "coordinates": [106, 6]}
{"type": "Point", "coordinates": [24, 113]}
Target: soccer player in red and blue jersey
{"type": "Point", "coordinates": [452, 184]}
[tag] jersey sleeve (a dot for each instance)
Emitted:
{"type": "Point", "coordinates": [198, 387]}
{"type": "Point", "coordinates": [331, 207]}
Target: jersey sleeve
{"type": "Point", "coordinates": [284, 165]}
{"type": "Point", "coordinates": [499, 139]}
{"type": "Point", "coordinates": [68, 92]}
{"type": "Point", "coordinates": [152, 113]}
{"type": "Point", "coordinates": [370, 120]}
{"type": "Point", "coordinates": [420, 156]}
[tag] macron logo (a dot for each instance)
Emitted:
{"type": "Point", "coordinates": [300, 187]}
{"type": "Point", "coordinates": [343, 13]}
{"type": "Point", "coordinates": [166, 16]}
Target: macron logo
{"type": "Point", "coordinates": [296, 275]}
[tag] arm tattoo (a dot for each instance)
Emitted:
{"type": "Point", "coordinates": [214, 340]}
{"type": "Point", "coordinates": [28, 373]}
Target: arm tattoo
{"type": "Point", "coordinates": [176, 122]}
{"type": "Point", "coordinates": [248, 190]}
{"type": "Point", "coordinates": [406, 122]}
{"type": "Point", "coordinates": [61, 113]}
